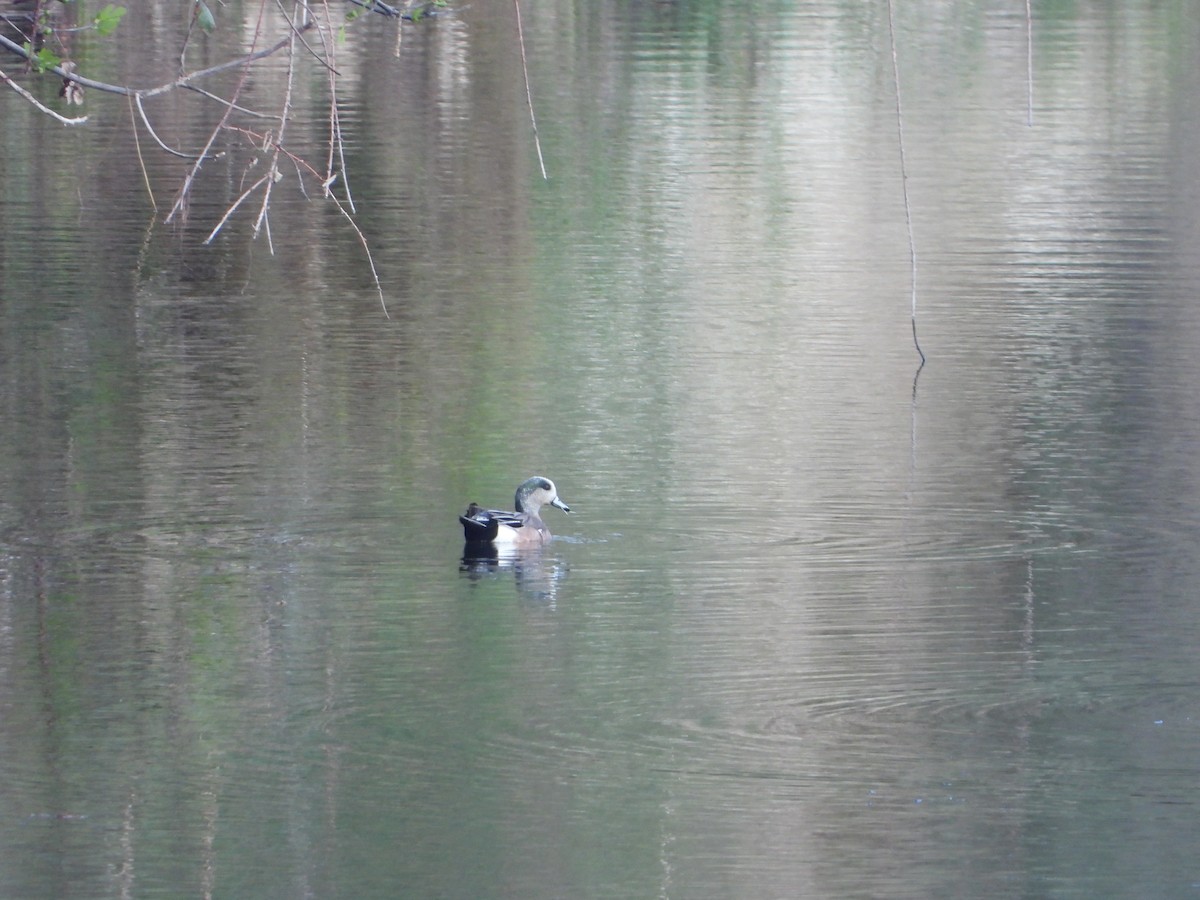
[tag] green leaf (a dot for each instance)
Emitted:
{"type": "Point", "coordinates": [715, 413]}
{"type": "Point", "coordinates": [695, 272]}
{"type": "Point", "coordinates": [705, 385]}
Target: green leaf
{"type": "Point", "coordinates": [204, 17]}
{"type": "Point", "coordinates": [44, 59]}
{"type": "Point", "coordinates": [108, 19]}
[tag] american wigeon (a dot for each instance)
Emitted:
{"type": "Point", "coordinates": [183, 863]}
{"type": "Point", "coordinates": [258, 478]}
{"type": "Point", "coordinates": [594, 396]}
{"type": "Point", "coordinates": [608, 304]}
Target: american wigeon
{"type": "Point", "coordinates": [524, 527]}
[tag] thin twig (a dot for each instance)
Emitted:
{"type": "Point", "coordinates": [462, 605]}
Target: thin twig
{"type": "Point", "coordinates": [185, 189]}
{"type": "Point", "coordinates": [912, 246]}
{"type": "Point", "coordinates": [336, 144]}
{"type": "Point", "coordinates": [136, 99]}
{"type": "Point", "coordinates": [337, 138]}
{"type": "Point", "coordinates": [367, 248]}
{"type": "Point", "coordinates": [299, 178]}
{"type": "Point", "coordinates": [528, 92]}
{"type": "Point", "coordinates": [267, 229]}
{"type": "Point", "coordinates": [264, 141]}
{"type": "Point", "coordinates": [233, 207]}
{"type": "Point", "coordinates": [41, 106]}
{"type": "Point", "coordinates": [285, 115]}
{"type": "Point", "coordinates": [374, 6]}
{"type": "Point", "coordinates": [244, 110]}
{"type": "Point", "coordinates": [137, 143]}
{"type": "Point", "coordinates": [221, 67]}
{"type": "Point", "coordinates": [299, 29]}
{"type": "Point", "coordinates": [187, 38]}
{"type": "Point", "coordinates": [181, 81]}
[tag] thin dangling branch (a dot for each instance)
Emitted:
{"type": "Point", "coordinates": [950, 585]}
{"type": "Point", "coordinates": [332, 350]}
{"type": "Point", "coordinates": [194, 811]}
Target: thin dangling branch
{"type": "Point", "coordinates": [912, 246]}
{"type": "Point", "coordinates": [528, 92]}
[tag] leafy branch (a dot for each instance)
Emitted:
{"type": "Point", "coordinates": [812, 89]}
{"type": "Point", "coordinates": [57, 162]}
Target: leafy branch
{"type": "Point", "coordinates": [44, 44]}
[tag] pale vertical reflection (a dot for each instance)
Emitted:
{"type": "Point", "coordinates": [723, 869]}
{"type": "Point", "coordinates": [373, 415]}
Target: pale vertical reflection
{"type": "Point", "coordinates": [788, 251]}
{"type": "Point", "coordinates": [452, 88]}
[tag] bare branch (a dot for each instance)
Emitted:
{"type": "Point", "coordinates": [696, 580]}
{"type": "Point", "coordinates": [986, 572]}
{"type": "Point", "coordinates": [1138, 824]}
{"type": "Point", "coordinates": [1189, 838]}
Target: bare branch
{"type": "Point", "coordinates": [375, 6]}
{"type": "Point", "coordinates": [137, 100]}
{"type": "Point", "coordinates": [137, 143]}
{"type": "Point", "coordinates": [244, 110]}
{"type": "Point", "coordinates": [336, 144]}
{"type": "Point", "coordinates": [529, 93]}
{"type": "Point", "coordinates": [284, 117]}
{"type": "Point", "coordinates": [269, 143]}
{"type": "Point", "coordinates": [41, 106]}
{"type": "Point", "coordinates": [181, 81]}
{"type": "Point", "coordinates": [362, 238]}
{"type": "Point", "coordinates": [908, 219]}
{"type": "Point", "coordinates": [233, 207]}
{"type": "Point", "coordinates": [300, 29]}
{"type": "Point", "coordinates": [180, 204]}
{"type": "Point", "coordinates": [228, 64]}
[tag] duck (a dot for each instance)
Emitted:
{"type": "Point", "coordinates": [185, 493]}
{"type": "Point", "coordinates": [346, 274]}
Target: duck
{"type": "Point", "coordinates": [522, 528]}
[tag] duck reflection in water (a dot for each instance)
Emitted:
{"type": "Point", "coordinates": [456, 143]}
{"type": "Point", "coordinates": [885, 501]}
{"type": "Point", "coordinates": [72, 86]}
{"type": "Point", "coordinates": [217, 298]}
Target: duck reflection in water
{"type": "Point", "coordinates": [536, 574]}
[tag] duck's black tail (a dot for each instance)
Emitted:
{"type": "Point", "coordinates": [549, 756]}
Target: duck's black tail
{"type": "Point", "coordinates": [480, 530]}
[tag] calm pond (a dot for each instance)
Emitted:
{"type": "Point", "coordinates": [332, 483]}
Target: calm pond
{"type": "Point", "coordinates": [821, 623]}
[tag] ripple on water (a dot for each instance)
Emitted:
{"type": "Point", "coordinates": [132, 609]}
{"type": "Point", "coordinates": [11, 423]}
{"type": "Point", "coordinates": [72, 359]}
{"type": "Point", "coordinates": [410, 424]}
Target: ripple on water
{"type": "Point", "coordinates": [875, 534]}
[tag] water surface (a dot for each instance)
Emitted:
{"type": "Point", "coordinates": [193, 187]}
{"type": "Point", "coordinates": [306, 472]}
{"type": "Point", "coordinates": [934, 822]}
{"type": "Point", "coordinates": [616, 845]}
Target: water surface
{"type": "Point", "coordinates": [821, 623]}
